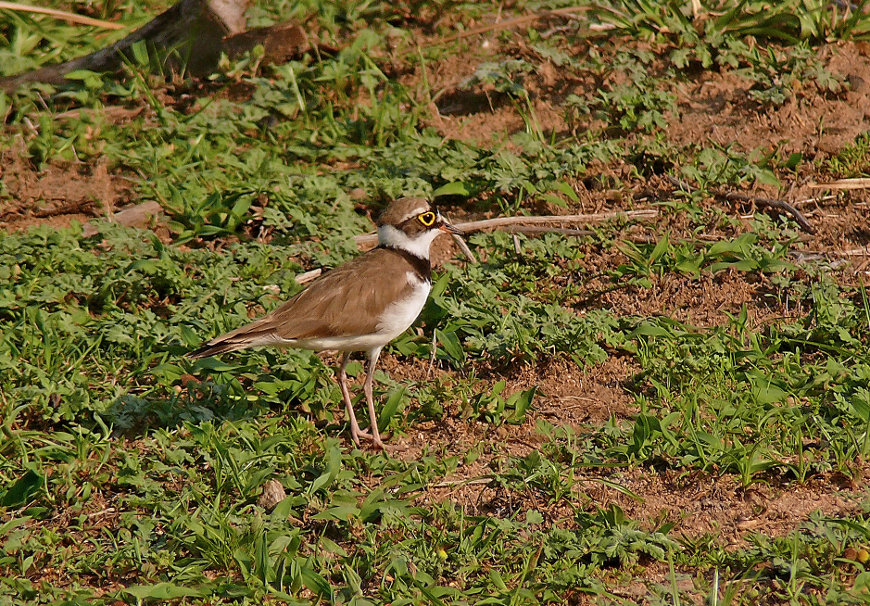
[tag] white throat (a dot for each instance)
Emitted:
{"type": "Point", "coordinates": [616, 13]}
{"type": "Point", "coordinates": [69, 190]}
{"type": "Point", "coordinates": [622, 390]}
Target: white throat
{"type": "Point", "coordinates": [418, 246]}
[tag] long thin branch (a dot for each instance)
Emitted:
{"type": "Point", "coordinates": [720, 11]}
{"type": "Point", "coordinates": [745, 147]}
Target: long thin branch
{"type": "Point", "coordinates": [646, 213]}
{"type": "Point", "coordinates": [856, 183]}
{"type": "Point", "coordinates": [472, 226]}
{"type": "Point", "coordinates": [850, 252]}
{"type": "Point", "coordinates": [771, 203]}
{"type": "Point", "coordinates": [768, 202]}
{"type": "Point", "coordinates": [66, 16]}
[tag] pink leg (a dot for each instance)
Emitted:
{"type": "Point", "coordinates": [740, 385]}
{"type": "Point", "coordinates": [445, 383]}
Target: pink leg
{"type": "Point", "coordinates": [355, 432]}
{"type": "Point", "coordinates": [370, 400]}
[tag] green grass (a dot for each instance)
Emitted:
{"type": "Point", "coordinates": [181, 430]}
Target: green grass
{"type": "Point", "coordinates": [129, 473]}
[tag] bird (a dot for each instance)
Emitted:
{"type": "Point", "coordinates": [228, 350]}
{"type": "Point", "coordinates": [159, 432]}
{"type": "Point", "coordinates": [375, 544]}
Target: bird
{"type": "Point", "coordinates": [359, 306]}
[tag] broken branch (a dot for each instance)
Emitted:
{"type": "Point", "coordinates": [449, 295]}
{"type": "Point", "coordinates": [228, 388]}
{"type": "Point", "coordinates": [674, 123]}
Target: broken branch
{"type": "Point", "coordinates": [192, 29]}
{"type": "Point", "coordinates": [370, 240]}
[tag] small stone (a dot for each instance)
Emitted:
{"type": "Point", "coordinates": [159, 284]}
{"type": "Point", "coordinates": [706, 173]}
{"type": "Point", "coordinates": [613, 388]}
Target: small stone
{"type": "Point", "coordinates": [273, 493]}
{"type": "Point", "coordinates": [357, 194]}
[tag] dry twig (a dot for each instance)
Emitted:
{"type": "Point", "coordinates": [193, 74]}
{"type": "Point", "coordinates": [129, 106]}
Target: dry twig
{"type": "Point", "coordinates": [66, 16]}
{"type": "Point", "coordinates": [857, 183]}
{"type": "Point", "coordinates": [466, 482]}
{"type": "Point", "coordinates": [464, 248]}
{"type": "Point", "coordinates": [309, 276]}
{"type": "Point", "coordinates": [850, 252]}
{"type": "Point", "coordinates": [369, 240]}
{"type": "Point", "coordinates": [471, 226]}
{"type": "Point", "coordinates": [433, 355]}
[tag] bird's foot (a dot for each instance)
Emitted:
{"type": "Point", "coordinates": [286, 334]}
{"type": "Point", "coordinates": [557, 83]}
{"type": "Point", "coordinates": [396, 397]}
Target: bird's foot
{"type": "Point", "coordinates": [357, 433]}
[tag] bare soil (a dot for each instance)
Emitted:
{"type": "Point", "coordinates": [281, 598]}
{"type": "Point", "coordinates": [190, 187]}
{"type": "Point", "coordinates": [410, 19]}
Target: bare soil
{"type": "Point", "coordinates": [718, 108]}
{"type": "Point", "coordinates": [56, 195]}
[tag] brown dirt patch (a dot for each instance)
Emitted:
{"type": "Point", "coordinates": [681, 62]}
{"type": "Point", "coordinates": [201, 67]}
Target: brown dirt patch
{"type": "Point", "coordinates": [566, 393]}
{"type": "Point", "coordinates": [699, 503]}
{"type": "Point", "coordinates": [480, 113]}
{"type": "Point", "coordinates": [696, 503]}
{"type": "Point", "coordinates": [579, 397]}
{"type": "Point", "coordinates": [714, 106]}
{"type": "Point", "coordinates": [699, 302]}
{"type": "Point", "coordinates": [55, 196]}
{"type": "Point", "coordinates": [717, 107]}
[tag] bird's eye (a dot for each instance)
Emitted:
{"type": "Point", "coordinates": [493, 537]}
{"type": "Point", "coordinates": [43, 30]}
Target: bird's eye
{"type": "Point", "coordinates": [427, 218]}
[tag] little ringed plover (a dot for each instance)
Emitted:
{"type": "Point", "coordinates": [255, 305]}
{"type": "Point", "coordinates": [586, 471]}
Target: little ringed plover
{"type": "Point", "coordinates": [359, 306]}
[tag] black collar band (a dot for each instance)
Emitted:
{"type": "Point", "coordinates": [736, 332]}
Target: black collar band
{"type": "Point", "coordinates": [422, 267]}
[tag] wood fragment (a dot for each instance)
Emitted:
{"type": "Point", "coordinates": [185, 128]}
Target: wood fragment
{"type": "Point", "coordinates": [460, 242]}
{"type": "Point", "coordinates": [273, 493]}
{"type": "Point", "coordinates": [140, 215]}
{"type": "Point", "coordinates": [433, 355]}
{"type": "Point", "coordinates": [102, 512]}
{"type": "Point", "coordinates": [468, 482]}
{"type": "Point", "coordinates": [281, 42]}
{"type": "Point", "coordinates": [850, 252]}
{"type": "Point", "coordinates": [815, 201]}
{"type": "Point", "coordinates": [845, 184]}
{"type": "Point", "coordinates": [308, 276]}
{"type": "Point", "coordinates": [771, 203]}
{"type": "Point", "coordinates": [471, 226]}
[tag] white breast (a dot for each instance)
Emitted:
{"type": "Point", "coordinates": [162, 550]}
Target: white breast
{"type": "Point", "coordinates": [394, 320]}
{"type": "Point", "coordinates": [398, 316]}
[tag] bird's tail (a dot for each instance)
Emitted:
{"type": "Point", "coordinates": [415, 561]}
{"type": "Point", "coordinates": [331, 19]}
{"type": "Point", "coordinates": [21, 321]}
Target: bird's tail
{"type": "Point", "coordinates": [215, 347]}
{"type": "Point", "coordinates": [255, 334]}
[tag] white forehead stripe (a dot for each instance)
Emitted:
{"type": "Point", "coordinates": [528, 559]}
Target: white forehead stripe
{"type": "Point", "coordinates": [413, 213]}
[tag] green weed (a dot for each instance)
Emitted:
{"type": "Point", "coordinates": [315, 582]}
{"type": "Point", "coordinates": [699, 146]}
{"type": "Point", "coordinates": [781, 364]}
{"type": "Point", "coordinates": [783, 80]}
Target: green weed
{"type": "Point", "coordinates": [129, 473]}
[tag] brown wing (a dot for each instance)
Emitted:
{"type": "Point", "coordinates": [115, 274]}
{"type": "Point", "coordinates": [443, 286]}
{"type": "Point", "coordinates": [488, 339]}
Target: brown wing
{"type": "Point", "coordinates": [346, 301]}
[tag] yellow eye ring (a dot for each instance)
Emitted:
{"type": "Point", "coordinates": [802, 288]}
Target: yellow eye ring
{"type": "Point", "coordinates": [427, 218]}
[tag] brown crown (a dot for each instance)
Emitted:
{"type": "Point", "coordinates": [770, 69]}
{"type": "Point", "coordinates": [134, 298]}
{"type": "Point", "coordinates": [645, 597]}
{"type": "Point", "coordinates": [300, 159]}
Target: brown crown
{"type": "Point", "coordinates": [402, 209]}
